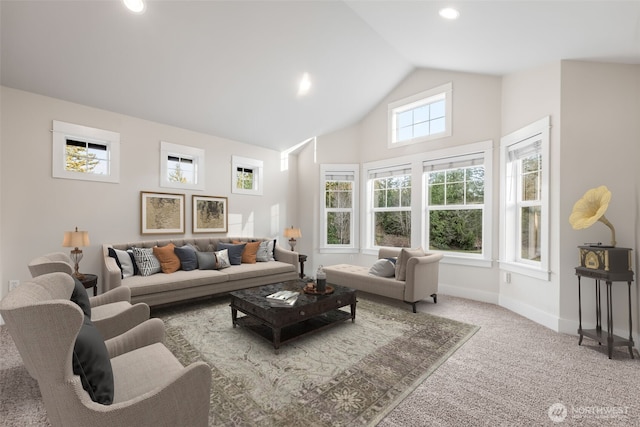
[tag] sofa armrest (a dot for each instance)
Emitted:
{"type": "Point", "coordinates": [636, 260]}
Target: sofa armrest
{"type": "Point", "coordinates": [111, 273]}
{"type": "Point", "coordinates": [422, 277]}
{"type": "Point", "coordinates": [146, 333]}
{"type": "Point", "coordinates": [285, 255]}
{"type": "Point", "coordinates": [123, 321]}
{"type": "Point", "coordinates": [114, 295]}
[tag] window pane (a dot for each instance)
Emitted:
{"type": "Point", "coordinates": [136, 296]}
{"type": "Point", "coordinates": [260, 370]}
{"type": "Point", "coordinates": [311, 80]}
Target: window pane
{"type": "Point", "coordinates": [437, 126]}
{"type": "Point", "coordinates": [339, 228]}
{"type": "Point", "coordinates": [436, 195]}
{"type": "Point", "coordinates": [475, 185]}
{"type": "Point", "coordinates": [393, 229]}
{"type": "Point", "coordinates": [405, 197]}
{"type": "Point", "coordinates": [436, 177]}
{"type": "Point", "coordinates": [421, 114]}
{"type": "Point", "coordinates": [455, 193]}
{"type": "Point", "coordinates": [530, 238]}
{"type": "Point", "coordinates": [405, 133]}
{"type": "Point", "coordinates": [436, 110]}
{"type": "Point", "coordinates": [421, 129]}
{"type": "Point", "coordinates": [404, 119]}
{"type": "Point", "coordinates": [530, 186]}
{"type": "Point", "coordinates": [456, 230]}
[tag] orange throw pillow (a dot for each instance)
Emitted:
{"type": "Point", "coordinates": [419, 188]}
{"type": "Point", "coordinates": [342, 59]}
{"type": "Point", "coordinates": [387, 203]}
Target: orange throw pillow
{"type": "Point", "coordinates": [250, 251]}
{"type": "Point", "coordinates": [169, 261]}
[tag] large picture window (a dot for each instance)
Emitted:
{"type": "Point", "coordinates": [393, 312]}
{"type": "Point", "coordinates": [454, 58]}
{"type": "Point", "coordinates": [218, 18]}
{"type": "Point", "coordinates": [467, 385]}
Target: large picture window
{"type": "Point", "coordinates": [455, 203]}
{"type": "Point", "coordinates": [340, 195]}
{"type": "Point", "coordinates": [525, 200]}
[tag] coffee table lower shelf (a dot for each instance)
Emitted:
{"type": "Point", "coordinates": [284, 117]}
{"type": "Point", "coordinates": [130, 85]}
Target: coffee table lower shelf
{"type": "Point", "coordinates": [292, 332]}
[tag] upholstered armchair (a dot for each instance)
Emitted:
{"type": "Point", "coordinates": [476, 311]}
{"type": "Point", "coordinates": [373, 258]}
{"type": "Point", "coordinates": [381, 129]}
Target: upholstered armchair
{"type": "Point", "coordinates": [149, 386]}
{"type": "Point", "coordinates": [111, 312]}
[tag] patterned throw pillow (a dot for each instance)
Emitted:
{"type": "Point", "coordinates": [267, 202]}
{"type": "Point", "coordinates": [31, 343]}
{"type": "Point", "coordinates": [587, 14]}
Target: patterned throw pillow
{"type": "Point", "coordinates": [222, 259]}
{"type": "Point", "coordinates": [265, 251]}
{"type": "Point", "coordinates": [147, 263]}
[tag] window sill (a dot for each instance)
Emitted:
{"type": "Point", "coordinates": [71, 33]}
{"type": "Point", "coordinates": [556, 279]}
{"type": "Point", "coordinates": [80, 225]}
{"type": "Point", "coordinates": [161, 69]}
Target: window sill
{"type": "Point", "coordinates": [338, 250]}
{"type": "Point", "coordinates": [470, 262]}
{"type": "Point", "coordinates": [525, 270]}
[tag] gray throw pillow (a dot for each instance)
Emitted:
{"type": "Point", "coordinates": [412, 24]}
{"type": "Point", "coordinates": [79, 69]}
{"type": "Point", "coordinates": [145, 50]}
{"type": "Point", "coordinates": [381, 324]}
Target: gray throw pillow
{"type": "Point", "coordinates": [235, 251]}
{"type": "Point", "coordinates": [383, 268]}
{"type": "Point", "coordinates": [206, 260]}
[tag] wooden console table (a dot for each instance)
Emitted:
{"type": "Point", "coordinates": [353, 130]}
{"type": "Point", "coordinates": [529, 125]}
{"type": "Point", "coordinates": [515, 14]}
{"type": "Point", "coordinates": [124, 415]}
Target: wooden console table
{"type": "Point", "coordinates": [597, 334]}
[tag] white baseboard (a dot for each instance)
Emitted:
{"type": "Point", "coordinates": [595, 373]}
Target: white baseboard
{"type": "Point", "coordinates": [474, 294]}
{"type": "Point", "coordinates": [532, 313]}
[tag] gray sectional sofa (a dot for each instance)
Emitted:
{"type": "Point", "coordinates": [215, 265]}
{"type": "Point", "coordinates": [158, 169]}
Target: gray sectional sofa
{"type": "Point", "coordinates": [413, 278]}
{"type": "Point", "coordinates": [163, 288]}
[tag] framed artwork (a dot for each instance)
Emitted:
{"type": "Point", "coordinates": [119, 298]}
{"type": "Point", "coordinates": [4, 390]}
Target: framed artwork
{"type": "Point", "coordinates": [210, 214]}
{"type": "Point", "coordinates": [161, 213]}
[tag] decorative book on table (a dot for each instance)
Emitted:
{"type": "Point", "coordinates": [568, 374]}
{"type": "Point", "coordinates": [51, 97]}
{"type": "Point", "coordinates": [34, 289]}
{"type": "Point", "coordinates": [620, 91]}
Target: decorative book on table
{"type": "Point", "coordinates": [283, 298]}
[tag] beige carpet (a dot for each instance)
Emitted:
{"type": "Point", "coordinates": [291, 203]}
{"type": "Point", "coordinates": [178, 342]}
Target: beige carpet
{"type": "Point", "coordinates": [508, 374]}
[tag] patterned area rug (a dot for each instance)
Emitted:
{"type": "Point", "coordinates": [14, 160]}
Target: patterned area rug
{"type": "Point", "coordinates": [351, 374]}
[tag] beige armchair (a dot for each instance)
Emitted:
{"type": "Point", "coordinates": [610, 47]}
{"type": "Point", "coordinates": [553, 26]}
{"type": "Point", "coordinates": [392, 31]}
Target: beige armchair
{"type": "Point", "coordinates": [150, 386]}
{"type": "Point", "coordinates": [111, 312]}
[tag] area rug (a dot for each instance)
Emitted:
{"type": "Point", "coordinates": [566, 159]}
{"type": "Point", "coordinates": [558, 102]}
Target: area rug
{"type": "Point", "coordinates": [351, 374]}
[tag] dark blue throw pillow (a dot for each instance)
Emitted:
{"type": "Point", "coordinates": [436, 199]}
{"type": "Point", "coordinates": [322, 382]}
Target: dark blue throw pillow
{"type": "Point", "coordinates": [235, 251]}
{"type": "Point", "coordinates": [92, 364]}
{"type": "Point", "coordinates": [188, 258]}
{"type": "Point", "coordinates": [80, 297]}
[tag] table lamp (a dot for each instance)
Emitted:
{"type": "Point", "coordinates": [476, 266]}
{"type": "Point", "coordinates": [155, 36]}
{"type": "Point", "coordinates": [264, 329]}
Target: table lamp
{"type": "Point", "coordinates": [292, 233]}
{"type": "Point", "coordinates": [76, 239]}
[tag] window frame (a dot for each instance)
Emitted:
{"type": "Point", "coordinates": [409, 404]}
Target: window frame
{"type": "Point", "coordinates": [257, 167]}
{"type": "Point", "coordinates": [510, 203]}
{"type": "Point", "coordinates": [423, 98]}
{"type": "Point", "coordinates": [482, 152]}
{"type": "Point", "coordinates": [197, 155]}
{"type": "Point", "coordinates": [63, 132]}
{"type": "Point", "coordinates": [327, 170]}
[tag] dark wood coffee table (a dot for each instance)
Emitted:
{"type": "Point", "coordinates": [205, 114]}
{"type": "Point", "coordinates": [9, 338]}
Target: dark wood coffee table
{"type": "Point", "coordinates": [279, 325]}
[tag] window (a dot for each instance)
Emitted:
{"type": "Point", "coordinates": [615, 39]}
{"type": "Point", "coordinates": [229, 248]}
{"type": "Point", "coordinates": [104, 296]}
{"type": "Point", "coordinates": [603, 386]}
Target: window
{"type": "Point", "coordinates": [421, 117]}
{"type": "Point", "coordinates": [340, 194]}
{"type": "Point", "coordinates": [84, 153]}
{"type": "Point", "coordinates": [181, 166]}
{"type": "Point", "coordinates": [525, 200]}
{"type": "Point", "coordinates": [246, 176]}
{"type": "Point", "coordinates": [455, 203]}
{"type": "Point", "coordinates": [390, 207]}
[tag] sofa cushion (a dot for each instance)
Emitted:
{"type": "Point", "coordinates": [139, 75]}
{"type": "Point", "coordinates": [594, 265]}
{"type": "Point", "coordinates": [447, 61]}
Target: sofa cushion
{"type": "Point", "coordinates": [249, 252]}
{"type": "Point", "coordinates": [169, 261]}
{"type": "Point", "coordinates": [235, 251]}
{"type": "Point", "coordinates": [383, 268]}
{"type": "Point", "coordinates": [91, 362]}
{"type": "Point", "coordinates": [188, 257]}
{"type": "Point", "coordinates": [222, 259]}
{"type": "Point", "coordinates": [147, 263]}
{"type": "Point", "coordinates": [403, 258]}
{"type": "Point", "coordinates": [265, 251]}
{"type": "Point", "coordinates": [206, 260]}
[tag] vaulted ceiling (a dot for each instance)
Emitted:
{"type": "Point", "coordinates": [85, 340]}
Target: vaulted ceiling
{"type": "Point", "coordinates": [232, 68]}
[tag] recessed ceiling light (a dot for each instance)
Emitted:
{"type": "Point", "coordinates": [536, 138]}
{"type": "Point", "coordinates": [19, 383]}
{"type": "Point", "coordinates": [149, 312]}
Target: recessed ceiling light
{"type": "Point", "coordinates": [449, 13]}
{"type": "Point", "coordinates": [305, 85]}
{"type": "Point", "coordinates": [136, 6]}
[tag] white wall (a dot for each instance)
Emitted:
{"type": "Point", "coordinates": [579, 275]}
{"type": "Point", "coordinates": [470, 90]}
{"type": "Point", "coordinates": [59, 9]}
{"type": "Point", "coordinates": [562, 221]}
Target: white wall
{"type": "Point", "coordinates": [600, 146]}
{"type": "Point", "coordinates": [528, 96]}
{"type": "Point", "coordinates": [37, 209]}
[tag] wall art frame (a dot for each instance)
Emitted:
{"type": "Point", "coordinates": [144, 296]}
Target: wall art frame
{"type": "Point", "coordinates": [210, 214]}
{"type": "Point", "coordinates": [161, 213]}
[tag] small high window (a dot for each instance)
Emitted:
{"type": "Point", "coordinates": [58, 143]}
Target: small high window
{"type": "Point", "coordinates": [181, 166]}
{"type": "Point", "coordinates": [421, 117]}
{"type": "Point", "coordinates": [247, 176]}
{"type": "Point", "coordinates": [85, 153]}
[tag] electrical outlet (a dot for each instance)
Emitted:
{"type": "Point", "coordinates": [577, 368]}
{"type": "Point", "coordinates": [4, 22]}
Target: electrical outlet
{"type": "Point", "coordinates": [13, 284]}
{"type": "Point", "coordinates": [507, 277]}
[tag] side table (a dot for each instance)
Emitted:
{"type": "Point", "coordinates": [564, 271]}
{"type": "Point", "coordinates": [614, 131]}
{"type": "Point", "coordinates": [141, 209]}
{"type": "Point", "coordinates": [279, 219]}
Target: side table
{"type": "Point", "coordinates": [301, 259]}
{"type": "Point", "coordinates": [597, 334]}
{"type": "Point", "coordinates": [90, 281]}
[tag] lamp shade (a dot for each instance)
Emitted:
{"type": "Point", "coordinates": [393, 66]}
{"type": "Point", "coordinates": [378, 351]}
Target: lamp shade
{"type": "Point", "coordinates": [292, 232]}
{"type": "Point", "coordinates": [75, 239]}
